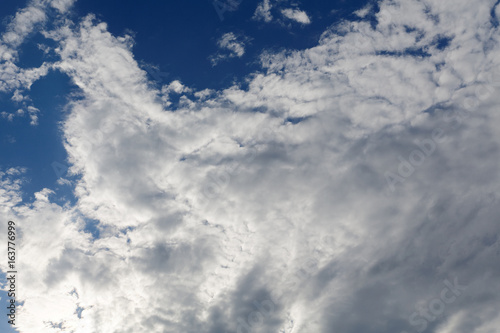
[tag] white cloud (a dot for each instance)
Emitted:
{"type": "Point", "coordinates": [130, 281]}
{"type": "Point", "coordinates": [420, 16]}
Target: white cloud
{"type": "Point", "coordinates": [230, 42]}
{"type": "Point", "coordinates": [62, 5]}
{"type": "Point", "coordinates": [264, 8]}
{"type": "Point", "coordinates": [27, 21]}
{"type": "Point", "coordinates": [23, 23]}
{"type": "Point", "coordinates": [31, 111]}
{"type": "Point", "coordinates": [297, 15]}
{"type": "Point", "coordinates": [363, 11]}
{"type": "Point", "coordinates": [263, 11]}
{"type": "Point", "coordinates": [232, 46]}
{"type": "Point", "coordinates": [175, 86]}
{"type": "Point", "coordinates": [276, 192]}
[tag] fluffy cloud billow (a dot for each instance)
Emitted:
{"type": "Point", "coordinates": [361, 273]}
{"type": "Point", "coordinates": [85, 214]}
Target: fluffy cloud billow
{"type": "Point", "coordinates": [348, 187]}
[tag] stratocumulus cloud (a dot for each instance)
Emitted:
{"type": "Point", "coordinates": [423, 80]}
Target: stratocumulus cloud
{"type": "Point", "coordinates": [349, 187]}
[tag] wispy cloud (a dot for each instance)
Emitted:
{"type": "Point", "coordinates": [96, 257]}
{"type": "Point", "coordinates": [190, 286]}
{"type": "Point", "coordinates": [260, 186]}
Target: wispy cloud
{"type": "Point", "coordinates": [231, 46]}
{"type": "Point", "coordinates": [364, 11]}
{"type": "Point", "coordinates": [223, 6]}
{"type": "Point", "coordinates": [263, 12]}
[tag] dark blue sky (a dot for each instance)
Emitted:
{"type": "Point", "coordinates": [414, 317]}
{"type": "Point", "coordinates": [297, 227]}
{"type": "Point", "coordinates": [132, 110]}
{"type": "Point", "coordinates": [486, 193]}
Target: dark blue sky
{"type": "Point", "coordinates": [179, 36]}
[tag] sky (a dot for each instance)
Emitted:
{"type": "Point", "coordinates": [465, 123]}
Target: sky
{"type": "Point", "coordinates": [237, 166]}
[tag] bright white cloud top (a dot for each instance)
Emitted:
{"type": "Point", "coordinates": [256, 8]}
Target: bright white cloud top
{"type": "Point", "coordinates": [342, 191]}
{"type": "Point", "coordinates": [296, 15]}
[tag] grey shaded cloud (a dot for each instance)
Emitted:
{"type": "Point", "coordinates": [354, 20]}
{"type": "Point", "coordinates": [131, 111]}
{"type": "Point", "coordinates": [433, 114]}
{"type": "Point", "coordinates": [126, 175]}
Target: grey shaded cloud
{"type": "Point", "coordinates": [303, 214]}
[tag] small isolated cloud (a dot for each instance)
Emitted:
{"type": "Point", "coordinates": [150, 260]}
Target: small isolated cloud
{"type": "Point", "coordinates": [8, 116]}
{"type": "Point", "coordinates": [265, 9]}
{"type": "Point", "coordinates": [263, 12]}
{"type": "Point", "coordinates": [231, 46]}
{"type": "Point", "coordinates": [297, 15]}
{"type": "Point", "coordinates": [32, 112]}
{"type": "Point", "coordinates": [230, 42]}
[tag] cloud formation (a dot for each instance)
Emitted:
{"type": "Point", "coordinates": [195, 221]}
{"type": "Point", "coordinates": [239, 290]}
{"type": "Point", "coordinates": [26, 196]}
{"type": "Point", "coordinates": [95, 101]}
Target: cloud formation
{"type": "Point", "coordinates": [264, 8]}
{"type": "Point", "coordinates": [268, 207]}
{"type": "Point", "coordinates": [231, 45]}
{"type": "Point", "coordinates": [297, 15]}
{"type": "Point", "coordinates": [263, 11]}
{"type": "Point", "coordinates": [13, 78]}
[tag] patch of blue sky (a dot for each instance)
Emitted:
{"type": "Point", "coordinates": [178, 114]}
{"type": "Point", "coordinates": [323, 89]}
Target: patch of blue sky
{"type": "Point", "coordinates": [38, 148]}
{"type": "Point", "coordinates": [178, 37]}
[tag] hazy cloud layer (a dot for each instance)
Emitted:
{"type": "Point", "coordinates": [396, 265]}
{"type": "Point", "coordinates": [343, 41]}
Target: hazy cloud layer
{"type": "Point", "coordinates": [351, 187]}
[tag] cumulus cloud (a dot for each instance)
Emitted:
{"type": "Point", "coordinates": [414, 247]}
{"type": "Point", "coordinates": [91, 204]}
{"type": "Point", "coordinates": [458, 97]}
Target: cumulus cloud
{"type": "Point", "coordinates": [175, 86]}
{"type": "Point", "coordinates": [297, 15]}
{"type": "Point", "coordinates": [349, 187]}
{"type": "Point", "coordinates": [32, 112]}
{"type": "Point", "coordinates": [231, 45]}
{"type": "Point", "coordinates": [263, 11]}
